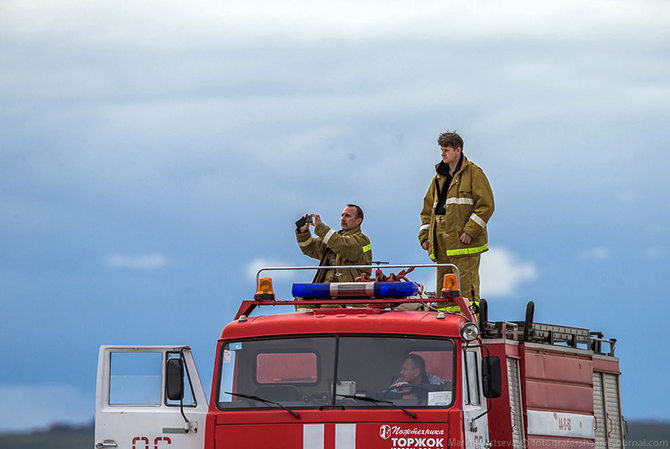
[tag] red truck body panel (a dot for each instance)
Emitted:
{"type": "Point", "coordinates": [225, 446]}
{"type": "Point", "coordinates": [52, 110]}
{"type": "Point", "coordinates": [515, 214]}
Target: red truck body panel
{"type": "Point", "coordinates": [556, 387]}
{"type": "Point", "coordinates": [558, 382]}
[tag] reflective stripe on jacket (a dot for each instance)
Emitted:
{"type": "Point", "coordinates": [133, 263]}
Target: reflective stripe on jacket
{"type": "Point", "coordinates": [469, 206]}
{"type": "Point", "coordinates": [350, 248]}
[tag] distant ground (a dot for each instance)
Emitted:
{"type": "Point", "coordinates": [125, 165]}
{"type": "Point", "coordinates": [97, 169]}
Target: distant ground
{"type": "Point", "coordinates": [56, 437]}
{"type": "Point", "coordinates": [641, 434]}
{"type": "Point", "coordinates": [648, 434]}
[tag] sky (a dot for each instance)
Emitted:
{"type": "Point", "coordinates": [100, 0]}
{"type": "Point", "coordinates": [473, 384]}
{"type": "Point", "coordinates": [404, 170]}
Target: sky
{"type": "Point", "coordinates": [154, 154]}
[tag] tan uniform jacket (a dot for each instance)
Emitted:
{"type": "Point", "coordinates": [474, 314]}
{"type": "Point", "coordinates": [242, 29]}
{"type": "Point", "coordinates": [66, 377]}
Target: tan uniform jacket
{"type": "Point", "coordinates": [469, 207]}
{"type": "Point", "coordinates": [351, 248]}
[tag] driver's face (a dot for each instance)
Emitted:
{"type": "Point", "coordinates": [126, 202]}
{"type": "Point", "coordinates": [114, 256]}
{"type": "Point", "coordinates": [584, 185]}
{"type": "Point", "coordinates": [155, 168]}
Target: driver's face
{"type": "Point", "coordinates": [409, 373]}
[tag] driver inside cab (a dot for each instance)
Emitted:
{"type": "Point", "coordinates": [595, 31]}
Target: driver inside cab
{"type": "Point", "coordinates": [414, 382]}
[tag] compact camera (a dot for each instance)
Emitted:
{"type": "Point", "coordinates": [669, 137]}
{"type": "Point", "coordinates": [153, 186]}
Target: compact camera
{"type": "Point", "coordinates": [303, 221]}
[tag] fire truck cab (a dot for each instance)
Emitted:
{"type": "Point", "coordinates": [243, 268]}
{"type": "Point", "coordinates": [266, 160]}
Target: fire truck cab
{"type": "Point", "coordinates": [366, 373]}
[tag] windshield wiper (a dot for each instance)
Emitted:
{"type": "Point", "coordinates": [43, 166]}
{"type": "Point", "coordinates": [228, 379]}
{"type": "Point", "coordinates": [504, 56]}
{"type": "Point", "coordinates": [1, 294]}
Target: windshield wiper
{"type": "Point", "coordinates": [264, 401]}
{"type": "Point", "coordinates": [377, 401]}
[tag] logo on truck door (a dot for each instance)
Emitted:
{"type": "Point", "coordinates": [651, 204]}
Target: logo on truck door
{"type": "Point", "coordinates": [346, 436]}
{"type": "Point", "coordinates": [412, 438]}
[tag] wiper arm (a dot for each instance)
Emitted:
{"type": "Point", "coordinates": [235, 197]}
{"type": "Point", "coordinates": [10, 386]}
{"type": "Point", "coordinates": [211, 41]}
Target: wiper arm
{"type": "Point", "coordinates": [377, 401]}
{"type": "Point", "coordinates": [264, 401]}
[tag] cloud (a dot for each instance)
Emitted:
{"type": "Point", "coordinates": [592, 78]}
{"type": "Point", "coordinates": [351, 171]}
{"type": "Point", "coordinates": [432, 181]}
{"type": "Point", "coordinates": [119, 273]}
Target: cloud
{"type": "Point", "coordinates": [170, 124]}
{"type": "Point", "coordinates": [26, 407]}
{"type": "Point", "coordinates": [599, 253]}
{"type": "Point", "coordinates": [502, 273]}
{"type": "Point", "coordinates": [152, 261]}
{"type": "Point", "coordinates": [157, 24]}
{"type": "Point", "coordinates": [655, 253]}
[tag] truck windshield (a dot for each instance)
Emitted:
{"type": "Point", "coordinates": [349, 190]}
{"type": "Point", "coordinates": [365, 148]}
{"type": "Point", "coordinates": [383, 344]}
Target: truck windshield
{"type": "Point", "coordinates": [313, 372]}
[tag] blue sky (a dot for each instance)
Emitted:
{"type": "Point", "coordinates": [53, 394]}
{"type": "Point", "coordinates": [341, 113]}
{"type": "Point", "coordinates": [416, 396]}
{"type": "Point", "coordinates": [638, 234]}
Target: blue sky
{"type": "Point", "coordinates": [153, 153]}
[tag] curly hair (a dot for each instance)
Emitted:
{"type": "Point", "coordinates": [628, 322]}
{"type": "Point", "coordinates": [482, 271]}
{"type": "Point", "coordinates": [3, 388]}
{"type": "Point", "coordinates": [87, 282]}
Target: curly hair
{"type": "Point", "coordinates": [450, 140]}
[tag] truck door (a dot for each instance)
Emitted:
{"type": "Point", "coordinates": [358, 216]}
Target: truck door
{"type": "Point", "coordinates": [474, 402]}
{"type": "Point", "coordinates": [133, 410]}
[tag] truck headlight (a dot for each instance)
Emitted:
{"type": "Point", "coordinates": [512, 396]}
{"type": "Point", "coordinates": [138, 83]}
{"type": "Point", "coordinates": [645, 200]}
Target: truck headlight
{"type": "Point", "coordinates": [469, 331]}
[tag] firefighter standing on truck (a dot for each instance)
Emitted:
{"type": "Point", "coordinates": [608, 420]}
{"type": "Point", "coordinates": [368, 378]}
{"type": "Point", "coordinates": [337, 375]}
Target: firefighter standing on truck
{"type": "Point", "coordinates": [456, 209]}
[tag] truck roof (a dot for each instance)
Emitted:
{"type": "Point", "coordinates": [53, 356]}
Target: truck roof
{"type": "Point", "coordinates": [346, 320]}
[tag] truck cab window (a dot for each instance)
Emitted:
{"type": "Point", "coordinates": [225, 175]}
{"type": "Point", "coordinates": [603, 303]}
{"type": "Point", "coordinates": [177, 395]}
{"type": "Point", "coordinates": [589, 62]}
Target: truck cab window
{"type": "Point", "coordinates": [135, 378]}
{"type": "Point", "coordinates": [472, 378]}
{"type": "Point", "coordinates": [348, 371]}
{"type": "Point", "coordinates": [286, 367]}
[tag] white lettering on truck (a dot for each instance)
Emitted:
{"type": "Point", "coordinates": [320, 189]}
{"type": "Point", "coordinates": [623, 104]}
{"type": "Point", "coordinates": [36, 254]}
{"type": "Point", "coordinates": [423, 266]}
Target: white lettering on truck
{"type": "Point", "coordinates": [407, 443]}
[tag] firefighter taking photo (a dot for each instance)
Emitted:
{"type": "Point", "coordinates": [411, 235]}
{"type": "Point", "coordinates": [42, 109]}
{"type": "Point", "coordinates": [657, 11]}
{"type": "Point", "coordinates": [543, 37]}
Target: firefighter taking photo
{"type": "Point", "coordinates": [348, 246]}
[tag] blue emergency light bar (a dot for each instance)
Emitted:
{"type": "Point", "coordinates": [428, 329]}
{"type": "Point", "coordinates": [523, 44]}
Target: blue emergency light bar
{"type": "Point", "coordinates": [355, 289]}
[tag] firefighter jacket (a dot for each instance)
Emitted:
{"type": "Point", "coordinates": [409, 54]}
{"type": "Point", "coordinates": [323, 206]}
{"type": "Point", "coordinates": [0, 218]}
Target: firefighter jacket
{"type": "Point", "coordinates": [350, 248]}
{"type": "Point", "coordinates": [469, 206]}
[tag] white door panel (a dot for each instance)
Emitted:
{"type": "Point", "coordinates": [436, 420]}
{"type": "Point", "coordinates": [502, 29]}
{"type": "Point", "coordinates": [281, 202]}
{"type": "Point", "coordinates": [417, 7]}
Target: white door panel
{"type": "Point", "coordinates": [132, 408]}
{"type": "Point", "coordinates": [474, 402]}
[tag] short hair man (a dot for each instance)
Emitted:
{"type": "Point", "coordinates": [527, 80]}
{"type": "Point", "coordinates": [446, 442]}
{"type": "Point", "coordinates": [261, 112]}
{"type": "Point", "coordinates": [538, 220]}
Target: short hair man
{"type": "Point", "coordinates": [414, 382]}
{"type": "Point", "coordinates": [456, 210]}
{"type": "Point", "coordinates": [349, 246]}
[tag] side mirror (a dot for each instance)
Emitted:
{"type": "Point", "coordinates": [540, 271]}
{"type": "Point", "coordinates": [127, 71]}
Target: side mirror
{"type": "Point", "coordinates": [175, 380]}
{"type": "Point", "coordinates": [491, 377]}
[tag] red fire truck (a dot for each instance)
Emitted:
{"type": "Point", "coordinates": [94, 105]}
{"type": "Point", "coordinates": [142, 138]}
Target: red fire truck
{"type": "Point", "coordinates": [373, 365]}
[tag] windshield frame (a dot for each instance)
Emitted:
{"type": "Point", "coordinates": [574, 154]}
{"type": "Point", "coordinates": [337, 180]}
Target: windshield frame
{"type": "Point", "coordinates": [332, 400]}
